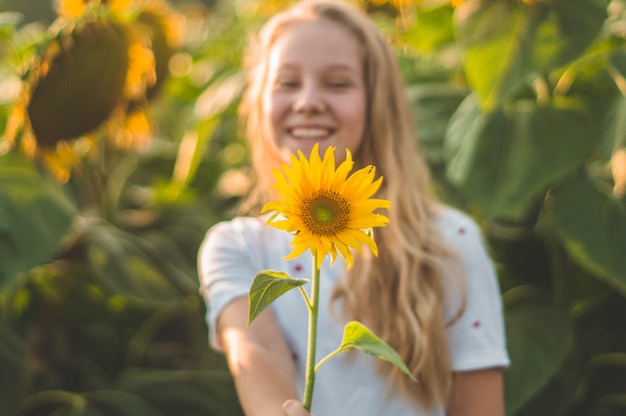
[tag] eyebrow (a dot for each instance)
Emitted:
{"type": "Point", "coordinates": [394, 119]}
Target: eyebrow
{"type": "Point", "coordinates": [341, 67]}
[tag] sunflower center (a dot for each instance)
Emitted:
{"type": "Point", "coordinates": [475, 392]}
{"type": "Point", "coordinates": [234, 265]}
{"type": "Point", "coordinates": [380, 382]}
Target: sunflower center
{"type": "Point", "coordinates": [326, 212]}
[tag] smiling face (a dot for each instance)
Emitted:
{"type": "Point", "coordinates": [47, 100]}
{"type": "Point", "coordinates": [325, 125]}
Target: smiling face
{"type": "Point", "coordinates": [315, 91]}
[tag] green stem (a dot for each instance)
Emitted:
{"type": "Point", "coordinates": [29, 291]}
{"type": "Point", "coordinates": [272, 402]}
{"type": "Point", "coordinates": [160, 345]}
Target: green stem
{"type": "Point", "coordinates": [328, 357]}
{"type": "Point", "coordinates": [306, 298]}
{"type": "Point", "coordinates": [310, 359]}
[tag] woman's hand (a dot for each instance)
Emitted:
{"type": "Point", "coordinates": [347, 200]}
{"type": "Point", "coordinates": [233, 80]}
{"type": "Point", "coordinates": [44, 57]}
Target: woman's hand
{"type": "Point", "coordinates": [294, 408]}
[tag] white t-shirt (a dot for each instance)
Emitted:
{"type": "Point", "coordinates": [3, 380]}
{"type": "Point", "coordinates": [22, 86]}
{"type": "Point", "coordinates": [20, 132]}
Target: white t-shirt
{"type": "Point", "coordinates": [235, 251]}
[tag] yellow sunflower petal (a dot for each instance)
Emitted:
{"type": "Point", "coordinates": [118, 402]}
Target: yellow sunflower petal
{"type": "Point", "coordinates": [326, 208]}
{"type": "Point", "coordinates": [359, 179]}
{"type": "Point", "coordinates": [296, 252]}
{"type": "Point", "coordinates": [342, 171]}
{"type": "Point", "coordinates": [323, 250]}
{"type": "Point", "coordinates": [119, 6]}
{"type": "Point", "coordinates": [282, 225]}
{"type": "Point", "coordinates": [327, 168]}
{"type": "Point", "coordinates": [306, 175]}
{"type": "Point", "coordinates": [364, 192]}
{"type": "Point", "coordinates": [369, 205]}
{"type": "Point", "coordinates": [72, 8]}
{"type": "Point", "coordinates": [283, 187]}
{"type": "Point", "coordinates": [346, 254]}
{"type": "Point", "coordinates": [316, 166]}
{"type": "Point", "coordinates": [369, 221]}
{"type": "Point", "coordinates": [348, 239]}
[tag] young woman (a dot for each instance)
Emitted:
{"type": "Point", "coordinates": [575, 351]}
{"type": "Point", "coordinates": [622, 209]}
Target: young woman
{"type": "Point", "coordinates": [322, 73]}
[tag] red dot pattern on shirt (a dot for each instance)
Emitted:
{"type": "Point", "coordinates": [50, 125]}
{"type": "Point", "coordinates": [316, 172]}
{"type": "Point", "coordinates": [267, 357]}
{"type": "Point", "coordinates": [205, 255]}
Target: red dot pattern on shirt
{"type": "Point", "coordinates": [461, 230]}
{"type": "Point", "coordinates": [476, 324]}
{"type": "Point", "coordinates": [298, 267]}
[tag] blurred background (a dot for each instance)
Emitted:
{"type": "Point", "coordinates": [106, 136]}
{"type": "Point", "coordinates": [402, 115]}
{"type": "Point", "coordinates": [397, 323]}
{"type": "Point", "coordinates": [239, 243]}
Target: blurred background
{"type": "Point", "coordinates": [120, 147]}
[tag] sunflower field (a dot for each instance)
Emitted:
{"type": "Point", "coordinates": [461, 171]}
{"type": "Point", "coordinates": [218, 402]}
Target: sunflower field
{"type": "Point", "coordinates": [120, 147]}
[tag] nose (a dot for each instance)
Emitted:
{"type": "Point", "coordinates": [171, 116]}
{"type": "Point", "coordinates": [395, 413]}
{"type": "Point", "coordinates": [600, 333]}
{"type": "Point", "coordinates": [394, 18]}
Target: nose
{"type": "Point", "coordinates": [309, 100]}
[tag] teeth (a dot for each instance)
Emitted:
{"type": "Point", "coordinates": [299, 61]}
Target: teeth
{"type": "Point", "coordinates": [307, 133]}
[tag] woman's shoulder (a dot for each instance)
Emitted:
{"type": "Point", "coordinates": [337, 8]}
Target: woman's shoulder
{"type": "Point", "coordinates": [453, 222]}
{"type": "Point", "coordinates": [239, 225]}
{"type": "Point", "coordinates": [239, 232]}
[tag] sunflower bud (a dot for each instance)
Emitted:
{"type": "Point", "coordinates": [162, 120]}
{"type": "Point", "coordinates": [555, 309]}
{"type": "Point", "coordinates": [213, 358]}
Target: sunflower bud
{"type": "Point", "coordinates": [79, 87]}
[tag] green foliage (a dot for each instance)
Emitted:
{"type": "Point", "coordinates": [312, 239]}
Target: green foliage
{"type": "Point", "coordinates": [268, 286]}
{"type": "Point", "coordinates": [540, 337]}
{"type": "Point", "coordinates": [509, 156]}
{"type": "Point", "coordinates": [505, 42]}
{"type": "Point", "coordinates": [35, 215]}
{"type": "Point", "coordinates": [520, 108]}
{"type": "Point", "coordinates": [526, 140]}
{"type": "Point", "coordinates": [358, 336]}
{"type": "Point", "coordinates": [593, 227]}
{"type": "Point", "coordinates": [100, 310]}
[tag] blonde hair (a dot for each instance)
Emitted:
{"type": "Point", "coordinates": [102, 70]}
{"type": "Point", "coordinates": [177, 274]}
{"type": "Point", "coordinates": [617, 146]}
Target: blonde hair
{"type": "Point", "coordinates": [400, 294]}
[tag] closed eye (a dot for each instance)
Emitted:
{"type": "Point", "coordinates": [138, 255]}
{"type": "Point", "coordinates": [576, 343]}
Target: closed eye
{"type": "Point", "coordinates": [287, 84]}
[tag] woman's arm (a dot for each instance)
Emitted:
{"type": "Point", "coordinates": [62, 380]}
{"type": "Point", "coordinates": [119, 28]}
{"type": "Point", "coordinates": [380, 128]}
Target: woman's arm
{"type": "Point", "coordinates": [477, 393]}
{"type": "Point", "coordinates": [259, 359]}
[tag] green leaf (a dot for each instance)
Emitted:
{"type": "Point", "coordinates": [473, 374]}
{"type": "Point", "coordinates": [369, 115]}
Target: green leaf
{"type": "Point", "coordinates": [603, 374]}
{"type": "Point", "coordinates": [14, 375]}
{"type": "Point", "coordinates": [432, 29]}
{"type": "Point", "coordinates": [124, 267]}
{"type": "Point", "coordinates": [506, 41]}
{"type": "Point", "coordinates": [65, 403]}
{"type": "Point", "coordinates": [433, 105]}
{"type": "Point", "coordinates": [505, 160]}
{"type": "Point", "coordinates": [358, 336]}
{"type": "Point", "coordinates": [184, 392]}
{"type": "Point", "coordinates": [592, 225]}
{"type": "Point", "coordinates": [539, 338]}
{"type": "Point", "coordinates": [35, 215]}
{"type": "Point", "coordinates": [119, 403]}
{"type": "Point", "coordinates": [267, 286]}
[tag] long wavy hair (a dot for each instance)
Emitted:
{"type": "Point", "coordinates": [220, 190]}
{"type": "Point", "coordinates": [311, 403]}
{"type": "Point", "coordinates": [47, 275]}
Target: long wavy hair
{"type": "Point", "coordinates": [399, 294]}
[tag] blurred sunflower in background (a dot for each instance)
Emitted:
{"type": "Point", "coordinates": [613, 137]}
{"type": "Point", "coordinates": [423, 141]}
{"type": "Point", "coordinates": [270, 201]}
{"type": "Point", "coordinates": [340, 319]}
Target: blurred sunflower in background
{"type": "Point", "coordinates": [403, 4]}
{"type": "Point", "coordinates": [102, 61]}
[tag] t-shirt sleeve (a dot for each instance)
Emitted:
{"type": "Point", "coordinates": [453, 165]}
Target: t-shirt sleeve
{"type": "Point", "coordinates": [228, 260]}
{"type": "Point", "coordinates": [477, 339]}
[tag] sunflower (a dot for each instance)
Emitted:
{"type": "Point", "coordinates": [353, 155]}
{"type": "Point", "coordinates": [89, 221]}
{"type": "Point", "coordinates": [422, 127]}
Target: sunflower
{"type": "Point", "coordinates": [93, 79]}
{"type": "Point", "coordinates": [326, 210]}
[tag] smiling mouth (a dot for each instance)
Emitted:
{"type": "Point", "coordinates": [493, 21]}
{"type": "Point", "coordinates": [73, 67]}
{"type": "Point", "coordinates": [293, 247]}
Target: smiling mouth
{"type": "Point", "coordinates": [310, 132]}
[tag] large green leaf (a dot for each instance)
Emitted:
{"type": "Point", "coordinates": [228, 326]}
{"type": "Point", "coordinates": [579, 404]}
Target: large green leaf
{"type": "Point", "coordinates": [64, 403]}
{"type": "Point", "coordinates": [35, 215]}
{"type": "Point", "coordinates": [120, 403]}
{"type": "Point", "coordinates": [184, 392]}
{"type": "Point", "coordinates": [558, 395]}
{"type": "Point", "coordinates": [603, 382]}
{"type": "Point", "coordinates": [432, 29]}
{"type": "Point", "coordinates": [504, 160]}
{"type": "Point", "coordinates": [91, 403]}
{"type": "Point", "coordinates": [119, 259]}
{"type": "Point", "coordinates": [266, 287]}
{"type": "Point", "coordinates": [613, 134]}
{"type": "Point", "coordinates": [539, 338]}
{"type": "Point", "coordinates": [13, 375]}
{"type": "Point", "coordinates": [592, 225]}
{"type": "Point", "coordinates": [505, 41]}
{"type": "Point", "coordinates": [433, 105]}
{"type": "Point", "coordinates": [358, 336]}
